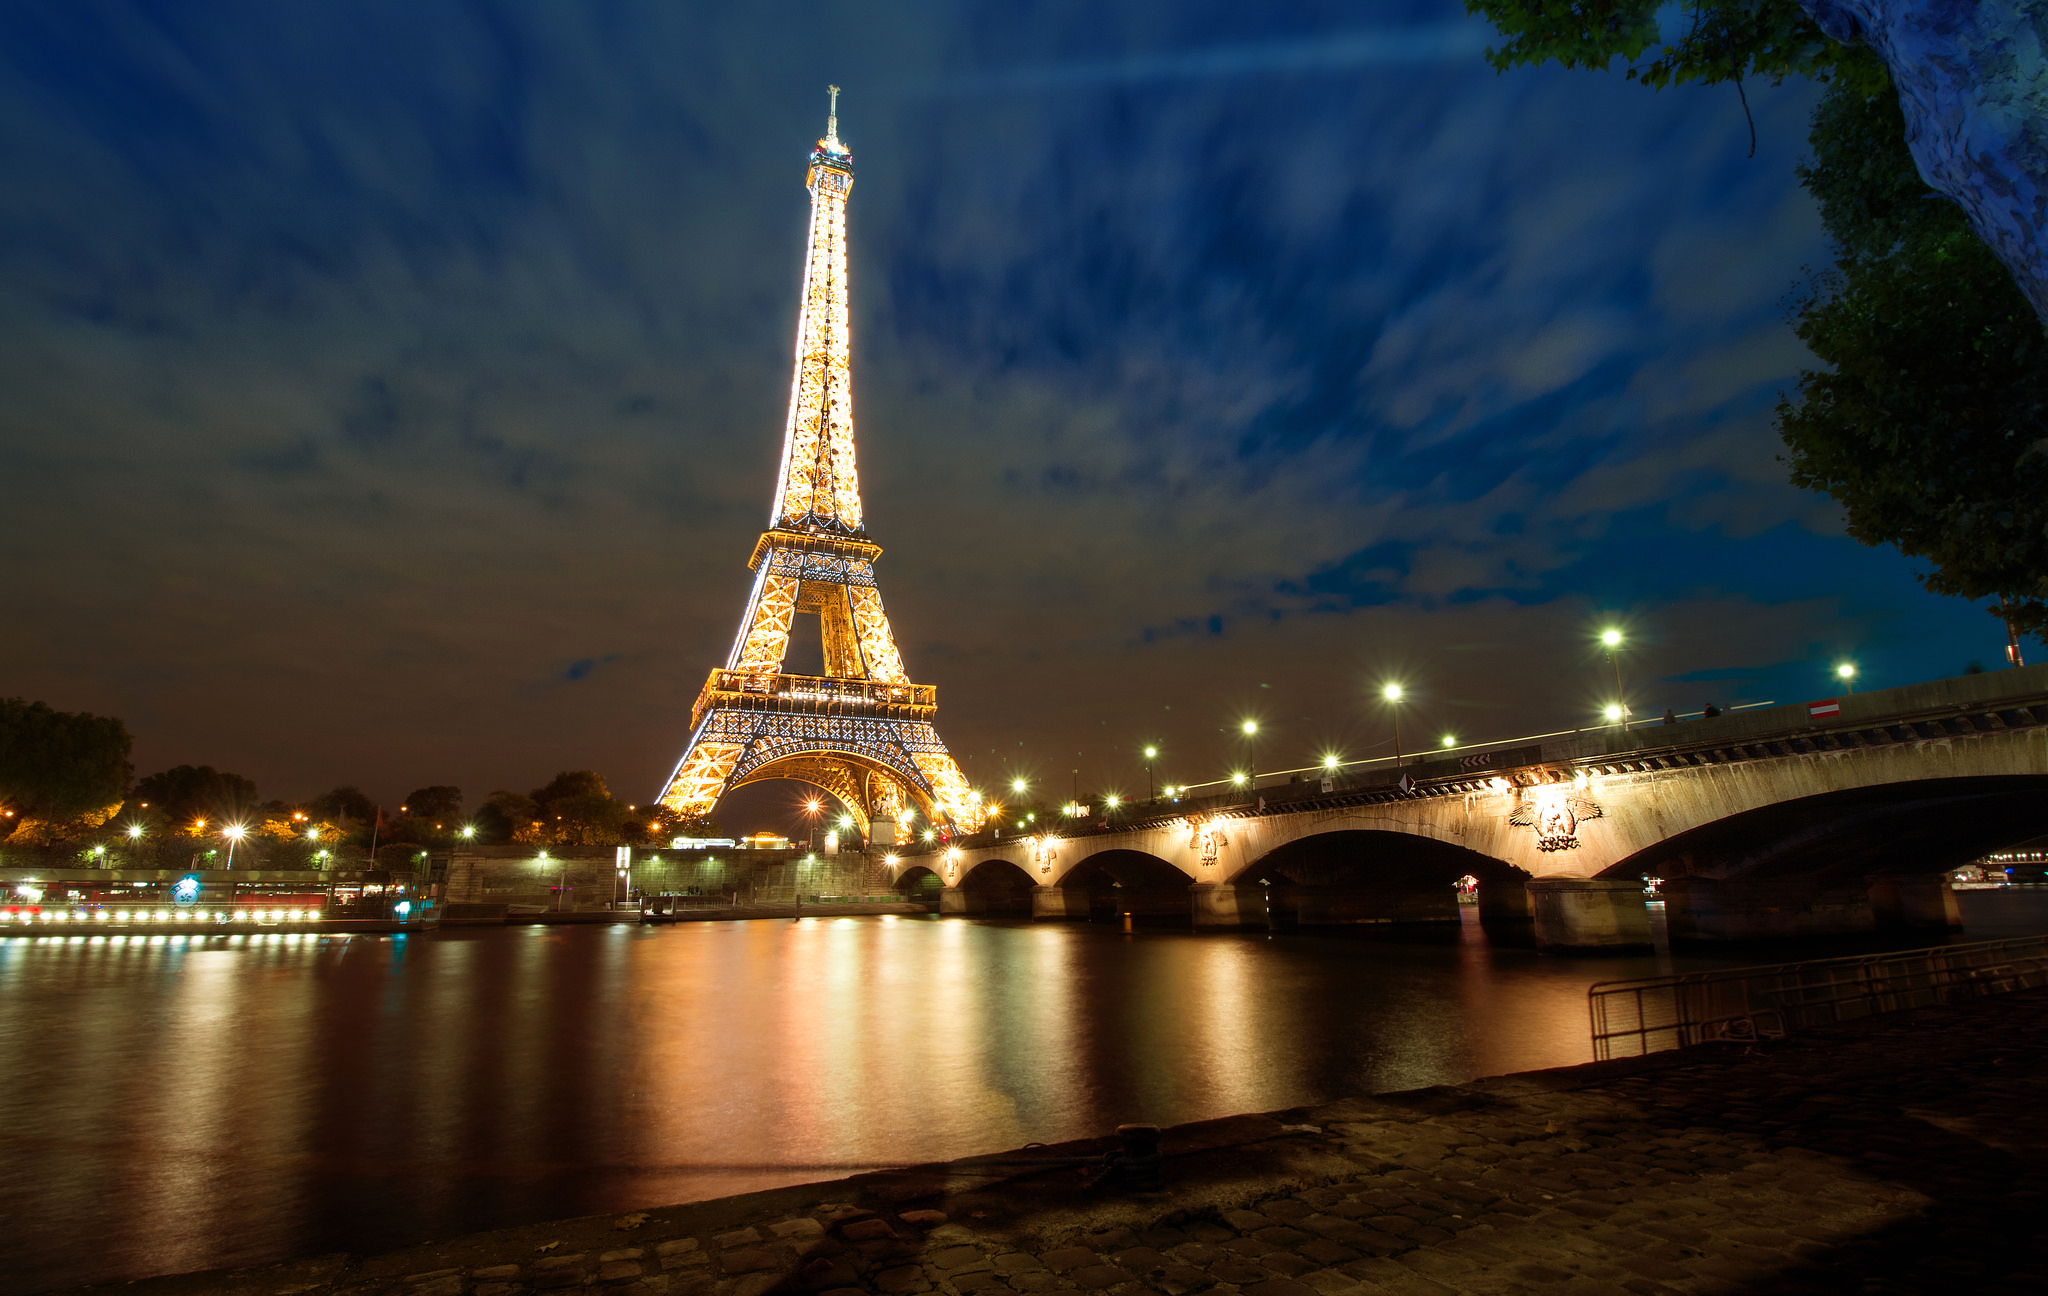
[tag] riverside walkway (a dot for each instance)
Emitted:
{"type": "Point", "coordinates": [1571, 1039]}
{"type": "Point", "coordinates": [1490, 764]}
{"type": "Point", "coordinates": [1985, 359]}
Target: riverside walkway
{"type": "Point", "coordinates": [1903, 1153]}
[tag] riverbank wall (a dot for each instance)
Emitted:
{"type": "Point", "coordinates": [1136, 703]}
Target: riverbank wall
{"type": "Point", "coordinates": [1906, 1152]}
{"type": "Point", "coordinates": [588, 877]}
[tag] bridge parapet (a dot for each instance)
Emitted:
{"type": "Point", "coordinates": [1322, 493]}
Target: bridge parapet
{"type": "Point", "coordinates": [1960, 707]}
{"type": "Point", "coordinates": [1900, 779]}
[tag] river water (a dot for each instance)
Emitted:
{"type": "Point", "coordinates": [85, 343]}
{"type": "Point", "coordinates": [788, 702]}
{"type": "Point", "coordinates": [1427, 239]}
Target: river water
{"type": "Point", "coordinates": [177, 1103]}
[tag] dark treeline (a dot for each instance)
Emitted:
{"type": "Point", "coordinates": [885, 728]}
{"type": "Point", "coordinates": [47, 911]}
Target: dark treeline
{"type": "Point", "coordinates": [67, 785]}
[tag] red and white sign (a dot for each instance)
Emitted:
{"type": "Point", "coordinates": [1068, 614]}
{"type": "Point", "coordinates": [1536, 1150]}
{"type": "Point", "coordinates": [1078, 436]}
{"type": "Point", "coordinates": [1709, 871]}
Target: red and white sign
{"type": "Point", "coordinates": [1827, 709]}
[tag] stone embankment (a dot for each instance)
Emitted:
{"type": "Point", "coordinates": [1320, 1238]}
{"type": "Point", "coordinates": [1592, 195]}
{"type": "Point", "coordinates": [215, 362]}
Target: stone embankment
{"type": "Point", "coordinates": [461, 914]}
{"type": "Point", "coordinates": [1906, 1153]}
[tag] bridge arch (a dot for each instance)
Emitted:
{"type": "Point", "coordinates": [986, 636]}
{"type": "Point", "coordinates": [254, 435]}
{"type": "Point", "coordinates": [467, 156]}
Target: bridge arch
{"type": "Point", "coordinates": [1923, 827]}
{"type": "Point", "coordinates": [996, 886]}
{"type": "Point", "coordinates": [1108, 884]}
{"type": "Point", "coordinates": [918, 882]}
{"type": "Point", "coordinates": [1348, 875]}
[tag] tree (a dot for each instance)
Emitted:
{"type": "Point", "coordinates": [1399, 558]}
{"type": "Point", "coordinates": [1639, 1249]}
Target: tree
{"type": "Point", "coordinates": [343, 804]}
{"type": "Point", "coordinates": [58, 767]}
{"type": "Point", "coordinates": [571, 783]}
{"type": "Point", "coordinates": [1931, 425]}
{"type": "Point", "coordinates": [1969, 76]}
{"type": "Point", "coordinates": [657, 825]}
{"type": "Point", "coordinates": [441, 803]}
{"type": "Point", "coordinates": [186, 794]}
{"type": "Point", "coordinates": [1927, 429]}
{"type": "Point", "coordinates": [506, 817]}
{"type": "Point", "coordinates": [577, 809]}
{"type": "Point", "coordinates": [585, 821]}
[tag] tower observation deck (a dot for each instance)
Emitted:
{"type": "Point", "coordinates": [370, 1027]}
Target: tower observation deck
{"type": "Point", "coordinates": [862, 731]}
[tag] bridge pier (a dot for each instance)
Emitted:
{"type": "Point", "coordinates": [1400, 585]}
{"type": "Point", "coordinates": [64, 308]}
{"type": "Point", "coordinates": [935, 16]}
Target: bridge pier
{"type": "Point", "coordinates": [1051, 902]}
{"type": "Point", "coordinates": [1214, 907]}
{"type": "Point", "coordinates": [1701, 910]}
{"type": "Point", "coordinates": [1914, 903]}
{"type": "Point", "coordinates": [1710, 910]}
{"type": "Point", "coordinates": [1505, 913]}
{"type": "Point", "coordinates": [959, 900]}
{"type": "Point", "coordinates": [1590, 915]}
{"type": "Point", "coordinates": [1410, 907]}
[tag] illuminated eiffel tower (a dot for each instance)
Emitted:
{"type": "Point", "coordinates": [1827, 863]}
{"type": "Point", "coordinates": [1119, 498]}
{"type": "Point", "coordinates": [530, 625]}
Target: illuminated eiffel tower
{"type": "Point", "coordinates": [862, 731]}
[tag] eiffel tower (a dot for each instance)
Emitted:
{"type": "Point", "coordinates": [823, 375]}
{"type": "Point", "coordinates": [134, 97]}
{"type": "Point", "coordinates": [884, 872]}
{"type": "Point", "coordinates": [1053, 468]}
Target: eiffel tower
{"type": "Point", "coordinates": [861, 731]}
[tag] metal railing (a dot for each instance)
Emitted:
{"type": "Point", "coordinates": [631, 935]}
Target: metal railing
{"type": "Point", "coordinates": [1630, 1018]}
{"type": "Point", "coordinates": [819, 690]}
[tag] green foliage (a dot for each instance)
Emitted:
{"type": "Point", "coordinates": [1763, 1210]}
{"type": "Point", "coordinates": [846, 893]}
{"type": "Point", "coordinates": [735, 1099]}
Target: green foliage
{"type": "Point", "coordinates": [1931, 424]}
{"type": "Point", "coordinates": [585, 821]}
{"type": "Point", "coordinates": [344, 804]}
{"type": "Point", "coordinates": [657, 825]}
{"type": "Point", "coordinates": [507, 816]}
{"type": "Point", "coordinates": [187, 793]}
{"type": "Point", "coordinates": [56, 766]}
{"type": "Point", "coordinates": [572, 783]}
{"type": "Point", "coordinates": [1707, 41]}
{"type": "Point", "coordinates": [439, 802]}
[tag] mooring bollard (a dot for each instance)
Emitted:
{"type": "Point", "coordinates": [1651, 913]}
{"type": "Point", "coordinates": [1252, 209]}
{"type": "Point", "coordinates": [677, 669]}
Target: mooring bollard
{"type": "Point", "coordinates": [1136, 1167]}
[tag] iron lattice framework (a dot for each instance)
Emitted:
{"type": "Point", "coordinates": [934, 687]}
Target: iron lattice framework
{"type": "Point", "coordinates": [861, 731]}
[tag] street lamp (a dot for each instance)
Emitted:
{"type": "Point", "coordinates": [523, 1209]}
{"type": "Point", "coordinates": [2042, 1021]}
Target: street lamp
{"type": "Point", "coordinates": [1612, 638]}
{"type": "Point", "coordinates": [1018, 786]}
{"type": "Point", "coordinates": [1847, 674]}
{"type": "Point", "coordinates": [1251, 760]}
{"type": "Point", "coordinates": [1151, 754]}
{"type": "Point", "coordinates": [1450, 740]}
{"type": "Point", "coordinates": [233, 832]}
{"type": "Point", "coordinates": [1392, 693]}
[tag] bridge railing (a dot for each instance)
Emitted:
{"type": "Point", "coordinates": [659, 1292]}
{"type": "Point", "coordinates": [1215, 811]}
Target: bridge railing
{"type": "Point", "coordinates": [1630, 1018]}
{"type": "Point", "coordinates": [1762, 735]}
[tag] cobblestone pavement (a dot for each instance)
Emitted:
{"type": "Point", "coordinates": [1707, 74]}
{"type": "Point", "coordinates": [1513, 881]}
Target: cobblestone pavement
{"type": "Point", "coordinates": [1900, 1154]}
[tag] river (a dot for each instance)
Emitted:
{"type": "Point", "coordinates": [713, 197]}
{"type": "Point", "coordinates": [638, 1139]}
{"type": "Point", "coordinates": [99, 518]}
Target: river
{"type": "Point", "coordinates": [175, 1103]}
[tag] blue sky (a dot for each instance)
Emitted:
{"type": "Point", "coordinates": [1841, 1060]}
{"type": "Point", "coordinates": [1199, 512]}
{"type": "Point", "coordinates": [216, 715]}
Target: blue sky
{"type": "Point", "coordinates": [394, 391]}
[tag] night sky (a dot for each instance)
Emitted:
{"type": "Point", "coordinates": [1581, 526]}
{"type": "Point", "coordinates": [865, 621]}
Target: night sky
{"type": "Point", "coordinates": [394, 392]}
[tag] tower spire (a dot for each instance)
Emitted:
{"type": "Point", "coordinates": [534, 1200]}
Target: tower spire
{"type": "Point", "coordinates": [820, 486]}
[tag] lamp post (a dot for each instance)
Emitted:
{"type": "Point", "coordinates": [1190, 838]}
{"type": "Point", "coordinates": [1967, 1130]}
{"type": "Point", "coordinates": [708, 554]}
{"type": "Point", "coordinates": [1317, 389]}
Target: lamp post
{"type": "Point", "coordinates": [1846, 673]}
{"type": "Point", "coordinates": [1151, 754]}
{"type": "Point", "coordinates": [1612, 638]}
{"type": "Point", "coordinates": [1251, 760]}
{"type": "Point", "coordinates": [233, 832]}
{"type": "Point", "coordinates": [1392, 693]}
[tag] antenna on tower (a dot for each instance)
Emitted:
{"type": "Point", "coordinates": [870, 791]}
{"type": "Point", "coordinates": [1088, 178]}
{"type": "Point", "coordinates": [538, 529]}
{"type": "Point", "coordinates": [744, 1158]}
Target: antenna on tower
{"type": "Point", "coordinates": [832, 117]}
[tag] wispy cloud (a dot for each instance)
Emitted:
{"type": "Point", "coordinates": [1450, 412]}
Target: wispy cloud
{"type": "Point", "coordinates": [1333, 52]}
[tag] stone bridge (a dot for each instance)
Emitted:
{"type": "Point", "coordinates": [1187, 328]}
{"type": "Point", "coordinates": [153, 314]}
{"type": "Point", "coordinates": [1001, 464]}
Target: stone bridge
{"type": "Point", "coordinates": [1818, 818]}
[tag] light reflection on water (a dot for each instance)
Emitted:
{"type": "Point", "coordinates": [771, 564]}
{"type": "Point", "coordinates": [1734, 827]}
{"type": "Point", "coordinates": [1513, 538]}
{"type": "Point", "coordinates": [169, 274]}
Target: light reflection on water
{"type": "Point", "coordinates": [175, 1103]}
